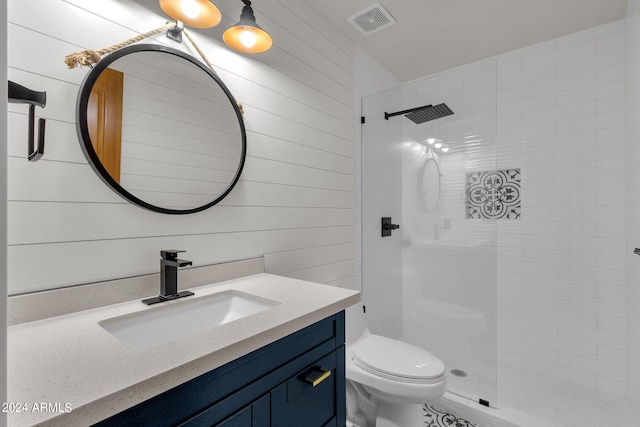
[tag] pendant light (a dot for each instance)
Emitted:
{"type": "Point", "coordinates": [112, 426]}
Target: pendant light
{"type": "Point", "coordinates": [247, 36]}
{"type": "Point", "coordinates": [193, 13]}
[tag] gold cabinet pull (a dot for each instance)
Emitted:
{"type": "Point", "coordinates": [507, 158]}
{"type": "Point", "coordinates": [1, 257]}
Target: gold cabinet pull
{"type": "Point", "coordinates": [324, 374]}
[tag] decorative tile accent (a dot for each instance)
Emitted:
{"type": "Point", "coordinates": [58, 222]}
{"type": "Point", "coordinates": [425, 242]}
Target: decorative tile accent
{"type": "Point", "coordinates": [493, 194]}
{"type": "Point", "coordinates": [434, 417]}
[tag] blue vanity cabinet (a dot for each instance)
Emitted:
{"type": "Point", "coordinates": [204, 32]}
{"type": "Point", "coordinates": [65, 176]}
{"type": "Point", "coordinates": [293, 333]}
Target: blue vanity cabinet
{"type": "Point", "coordinates": [296, 381]}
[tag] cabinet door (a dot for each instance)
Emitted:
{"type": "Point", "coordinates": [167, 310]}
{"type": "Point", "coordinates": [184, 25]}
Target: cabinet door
{"type": "Point", "coordinates": [261, 412]}
{"type": "Point", "coordinates": [239, 419]}
{"type": "Point", "coordinates": [309, 398]}
{"type": "Point", "coordinates": [257, 414]}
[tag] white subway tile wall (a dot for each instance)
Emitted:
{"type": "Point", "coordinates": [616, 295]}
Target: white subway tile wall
{"type": "Point", "coordinates": [561, 290]}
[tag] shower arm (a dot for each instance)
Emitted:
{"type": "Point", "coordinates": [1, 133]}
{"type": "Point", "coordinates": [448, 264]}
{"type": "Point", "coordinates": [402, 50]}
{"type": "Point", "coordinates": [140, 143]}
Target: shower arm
{"type": "Point", "coordinates": [399, 113]}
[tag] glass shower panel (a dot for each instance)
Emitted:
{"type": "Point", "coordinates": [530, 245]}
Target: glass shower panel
{"type": "Point", "coordinates": [381, 192]}
{"type": "Point", "coordinates": [447, 196]}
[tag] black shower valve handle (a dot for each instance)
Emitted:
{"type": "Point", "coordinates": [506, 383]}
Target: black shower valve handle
{"type": "Point", "coordinates": [387, 226]}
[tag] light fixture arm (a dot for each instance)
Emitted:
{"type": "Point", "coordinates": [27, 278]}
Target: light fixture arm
{"type": "Point", "coordinates": [247, 17]}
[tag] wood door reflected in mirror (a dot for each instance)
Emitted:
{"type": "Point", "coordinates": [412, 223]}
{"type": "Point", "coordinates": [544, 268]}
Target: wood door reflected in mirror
{"type": "Point", "coordinates": [181, 143]}
{"type": "Point", "coordinates": [104, 119]}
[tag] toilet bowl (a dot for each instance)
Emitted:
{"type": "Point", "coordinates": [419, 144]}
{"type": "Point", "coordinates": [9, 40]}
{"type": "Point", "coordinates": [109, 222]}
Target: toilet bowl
{"type": "Point", "coordinates": [401, 376]}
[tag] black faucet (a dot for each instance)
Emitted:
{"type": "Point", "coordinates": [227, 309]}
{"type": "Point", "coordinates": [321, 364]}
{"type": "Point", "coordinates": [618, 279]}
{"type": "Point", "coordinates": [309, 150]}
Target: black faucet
{"type": "Point", "coordinates": [169, 264]}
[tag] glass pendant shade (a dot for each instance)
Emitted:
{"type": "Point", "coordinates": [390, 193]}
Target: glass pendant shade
{"type": "Point", "coordinates": [193, 13]}
{"type": "Point", "coordinates": [247, 36]}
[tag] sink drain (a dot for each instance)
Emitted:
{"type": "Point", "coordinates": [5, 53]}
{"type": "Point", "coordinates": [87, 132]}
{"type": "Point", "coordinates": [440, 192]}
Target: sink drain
{"type": "Point", "coordinates": [458, 373]}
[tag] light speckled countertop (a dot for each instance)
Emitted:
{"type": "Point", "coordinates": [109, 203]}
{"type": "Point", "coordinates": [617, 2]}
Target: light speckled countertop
{"type": "Point", "coordinates": [71, 360]}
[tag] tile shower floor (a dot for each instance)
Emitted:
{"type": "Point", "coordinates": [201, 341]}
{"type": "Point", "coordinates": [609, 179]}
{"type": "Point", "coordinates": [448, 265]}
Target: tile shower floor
{"type": "Point", "coordinates": [564, 403]}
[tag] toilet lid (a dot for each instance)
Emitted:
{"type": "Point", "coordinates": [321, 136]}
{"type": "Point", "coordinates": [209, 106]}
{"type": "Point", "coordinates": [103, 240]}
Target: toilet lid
{"type": "Point", "coordinates": [396, 358]}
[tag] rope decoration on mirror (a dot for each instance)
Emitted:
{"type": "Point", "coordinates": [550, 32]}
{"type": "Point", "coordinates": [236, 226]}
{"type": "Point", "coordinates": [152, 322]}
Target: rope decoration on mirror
{"type": "Point", "coordinates": [87, 57]}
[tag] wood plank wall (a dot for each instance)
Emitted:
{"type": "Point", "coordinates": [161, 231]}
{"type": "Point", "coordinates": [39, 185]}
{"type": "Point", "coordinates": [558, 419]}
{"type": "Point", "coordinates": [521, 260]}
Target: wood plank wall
{"type": "Point", "coordinates": [294, 203]}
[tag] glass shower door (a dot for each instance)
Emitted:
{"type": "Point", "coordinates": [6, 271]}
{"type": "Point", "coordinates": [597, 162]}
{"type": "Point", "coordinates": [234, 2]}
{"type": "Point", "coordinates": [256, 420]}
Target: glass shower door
{"type": "Point", "coordinates": [433, 282]}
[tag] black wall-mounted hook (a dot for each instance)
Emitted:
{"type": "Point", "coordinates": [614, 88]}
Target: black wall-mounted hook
{"type": "Point", "coordinates": [19, 94]}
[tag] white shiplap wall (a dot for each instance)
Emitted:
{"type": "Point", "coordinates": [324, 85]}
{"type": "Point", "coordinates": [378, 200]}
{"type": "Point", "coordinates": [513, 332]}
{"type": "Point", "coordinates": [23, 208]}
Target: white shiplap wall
{"type": "Point", "coordinates": [294, 203]}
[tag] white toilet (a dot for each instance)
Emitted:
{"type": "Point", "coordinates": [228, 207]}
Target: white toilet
{"type": "Point", "coordinates": [401, 376]}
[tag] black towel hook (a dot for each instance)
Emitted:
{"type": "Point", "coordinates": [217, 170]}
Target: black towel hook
{"type": "Point", "coordinates": [19, 94]}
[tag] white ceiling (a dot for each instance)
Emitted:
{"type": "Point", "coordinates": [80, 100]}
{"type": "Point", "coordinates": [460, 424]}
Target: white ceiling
{"type": "Point", "coordinates": [435, 35]}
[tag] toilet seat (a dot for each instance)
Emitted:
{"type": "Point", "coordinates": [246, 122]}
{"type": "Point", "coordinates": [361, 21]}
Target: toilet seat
{"type": "Point", "coordinates": [396, 360]}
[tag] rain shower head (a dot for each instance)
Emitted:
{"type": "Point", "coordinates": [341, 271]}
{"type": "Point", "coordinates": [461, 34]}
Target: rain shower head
{"type": "Point", "coordinates": [423, 114]}
{"type": "Point", "coordinates": [429, 113]}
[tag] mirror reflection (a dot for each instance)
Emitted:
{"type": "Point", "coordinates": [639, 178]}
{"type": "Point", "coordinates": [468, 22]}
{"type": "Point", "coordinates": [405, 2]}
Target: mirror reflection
{"type": "Point", "coordinates": [429, 184]}
{"type": "Point", "coordinates": [161, 129]}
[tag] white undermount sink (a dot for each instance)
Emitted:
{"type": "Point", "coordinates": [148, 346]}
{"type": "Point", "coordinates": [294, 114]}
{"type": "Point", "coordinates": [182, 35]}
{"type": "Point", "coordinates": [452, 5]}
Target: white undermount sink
{"type": "Point", "coordinates": [177, 319]}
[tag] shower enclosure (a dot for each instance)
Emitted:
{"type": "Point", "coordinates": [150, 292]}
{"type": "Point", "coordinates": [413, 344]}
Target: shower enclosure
{"type": "Point", "coordinates": [508, 264]}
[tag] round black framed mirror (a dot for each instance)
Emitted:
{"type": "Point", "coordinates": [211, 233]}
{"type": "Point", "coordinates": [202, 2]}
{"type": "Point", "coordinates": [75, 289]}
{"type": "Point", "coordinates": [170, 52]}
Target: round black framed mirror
{"type": "Point", "coordinates": [161, 129]}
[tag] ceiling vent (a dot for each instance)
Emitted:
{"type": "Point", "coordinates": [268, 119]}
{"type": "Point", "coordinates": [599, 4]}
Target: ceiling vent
{"type": "Point", "coordinates": [372, 19]}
